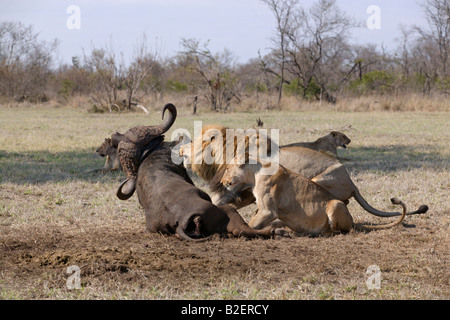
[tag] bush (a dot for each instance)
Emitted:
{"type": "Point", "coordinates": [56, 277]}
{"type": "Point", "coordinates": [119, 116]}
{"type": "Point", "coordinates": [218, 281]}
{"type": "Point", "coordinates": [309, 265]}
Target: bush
{"type": "Point", "coordinates": [379, 81]}
{"type": "Point", "coordinates": [66, 89]}
{"type": "Point", "coordinates": [176, 86]}
{"type": "Point", "coordinates": [295, 88]}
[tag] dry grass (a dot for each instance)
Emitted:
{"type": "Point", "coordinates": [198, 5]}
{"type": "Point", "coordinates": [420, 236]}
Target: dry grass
{"type": "Point", "coordinates": [263, 102]}
{"type": "Point", "coordinates": [54, 213]}
{"type": "Point", "coordinates": [401, 102]}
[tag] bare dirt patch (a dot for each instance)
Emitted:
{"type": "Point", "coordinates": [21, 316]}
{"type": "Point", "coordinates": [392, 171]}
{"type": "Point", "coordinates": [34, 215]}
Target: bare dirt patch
{"type": "Point", "coordinates": [130, 263]}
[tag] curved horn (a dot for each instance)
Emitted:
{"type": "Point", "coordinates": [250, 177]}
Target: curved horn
{"type": "Point", "coordinates": [168, 122]}
{"type": "Point", "coordinates": [127, 194]}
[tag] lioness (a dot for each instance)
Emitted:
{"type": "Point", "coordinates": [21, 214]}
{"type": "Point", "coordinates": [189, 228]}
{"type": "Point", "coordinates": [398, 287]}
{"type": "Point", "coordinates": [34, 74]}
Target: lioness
{"type": "Point", "coordinates": [304, 206]}
{"type": "Point", "coordinates": [112, 160]}
{"type": "Point", "coordinates": [328, 143]}
{"type": "Point", "coordinates": [320, 167]}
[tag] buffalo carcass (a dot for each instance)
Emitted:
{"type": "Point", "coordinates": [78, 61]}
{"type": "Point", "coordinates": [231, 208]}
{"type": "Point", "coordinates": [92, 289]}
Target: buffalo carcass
{"type": "Point", "coordinates": [174, 205]}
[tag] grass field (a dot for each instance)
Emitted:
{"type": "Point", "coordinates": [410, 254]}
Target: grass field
{"type": "Point", "coordinates": [54, 213]}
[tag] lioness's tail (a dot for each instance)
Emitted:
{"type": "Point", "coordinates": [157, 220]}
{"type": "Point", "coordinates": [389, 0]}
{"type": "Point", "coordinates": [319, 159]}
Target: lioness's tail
{"type": "Point", "coordinates": [388, 225]}
{"type": "Point", "coordinates": [363, 203]}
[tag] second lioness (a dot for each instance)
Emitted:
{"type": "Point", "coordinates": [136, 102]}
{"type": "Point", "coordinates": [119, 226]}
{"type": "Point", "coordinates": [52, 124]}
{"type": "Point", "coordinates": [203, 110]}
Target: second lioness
{"type": "Point", "coordinates": [328, 143]}
{"type": "Point", "coordinates": [303, 205]}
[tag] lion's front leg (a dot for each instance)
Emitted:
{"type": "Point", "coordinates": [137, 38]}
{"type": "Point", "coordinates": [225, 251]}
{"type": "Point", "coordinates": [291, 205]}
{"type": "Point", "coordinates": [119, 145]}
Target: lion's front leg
{"type": "Point", "coordinates": [267, 209]}
{"type": "Point", "coordinates": [108, 163]}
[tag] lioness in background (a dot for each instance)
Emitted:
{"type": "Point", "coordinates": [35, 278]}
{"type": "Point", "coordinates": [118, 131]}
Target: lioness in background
{"type": "Point", "coordinates": [328, 143]}
{"type": "Point", "coordinates": [107, 150]}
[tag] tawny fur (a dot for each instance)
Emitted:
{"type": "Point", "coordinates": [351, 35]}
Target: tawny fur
{"type": "Point", "coordinates": [304, 206]}
{"type": "Point", "coordinates": [328, 143]}
{"type": "Point", "coordinates": [320, 167]}
{"type": "Point", "coordinates": [112, 160]}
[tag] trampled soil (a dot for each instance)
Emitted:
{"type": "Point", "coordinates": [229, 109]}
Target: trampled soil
{"type": "Point", "coordinates": [127, 262]}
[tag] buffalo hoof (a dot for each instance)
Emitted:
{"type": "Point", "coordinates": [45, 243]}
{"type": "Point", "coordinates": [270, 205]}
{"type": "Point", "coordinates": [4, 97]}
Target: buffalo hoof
{"type": "Point", "coordinates": [126, 189]}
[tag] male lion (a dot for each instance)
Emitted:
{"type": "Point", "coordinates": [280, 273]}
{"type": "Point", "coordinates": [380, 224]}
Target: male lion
{"type": "Point", "coordinates": [304, 206]}
{"type": "Point", "coordinates": [320, 167]}
{"type": "Point", "coordinates": [213, 144]}
{"type": "Point", "coordinates": [328, 143]}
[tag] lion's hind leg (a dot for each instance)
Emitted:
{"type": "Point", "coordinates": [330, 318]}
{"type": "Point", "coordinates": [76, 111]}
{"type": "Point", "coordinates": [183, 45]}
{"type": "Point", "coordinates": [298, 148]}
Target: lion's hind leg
{"type": "Point", "coordinates": [339, 217]}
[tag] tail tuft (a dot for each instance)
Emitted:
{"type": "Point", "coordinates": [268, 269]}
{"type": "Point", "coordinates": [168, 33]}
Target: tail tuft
{"type": "Point", "coordinates": [422, 209]}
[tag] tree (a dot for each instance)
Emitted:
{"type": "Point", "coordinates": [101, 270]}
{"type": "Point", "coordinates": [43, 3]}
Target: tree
{"type": "Point", "coordinates": [283, 11]}
{"type": "Point", "coordinates": [217, 81]}
{"type": "Point", "coordinates": [437, 13]}
{"type": "Point", "coordinates": [106, 71]}
{"type": "Point", "coordinates": [142, 63]}
{"type": "Point", "coordinates": [319, 50]}
{"type": "Point", "coordinates": [424, 54]}
{"type": "Point", "coordinates": [25, 61]}
{"type": "Point", "coordinates": [118, 82]}
{"type": "Point", "coordinates": [314, 47]}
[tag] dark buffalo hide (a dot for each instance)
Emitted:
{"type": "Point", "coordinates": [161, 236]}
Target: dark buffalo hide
{"type": "Point", "coordinates": [174, 205]}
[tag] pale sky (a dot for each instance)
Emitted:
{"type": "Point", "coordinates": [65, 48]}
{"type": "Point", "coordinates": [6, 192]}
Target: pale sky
{"type": "Point", "coordinates": [242, 26]}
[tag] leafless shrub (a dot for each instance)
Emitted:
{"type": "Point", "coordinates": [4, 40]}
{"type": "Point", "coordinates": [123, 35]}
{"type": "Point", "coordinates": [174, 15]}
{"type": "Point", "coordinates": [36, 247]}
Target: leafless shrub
{"type": "Point", "coordinates": [217, 82]}
{"type": "Point", "coordinates": [25, 61]}
{"type": "Point", "coordinates": [118, 82]}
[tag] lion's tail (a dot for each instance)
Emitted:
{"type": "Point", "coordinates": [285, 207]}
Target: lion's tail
{"type": "Point", "coordinates": [363, 203]}
{"type": "Point", "coordinates": [388, 225]}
